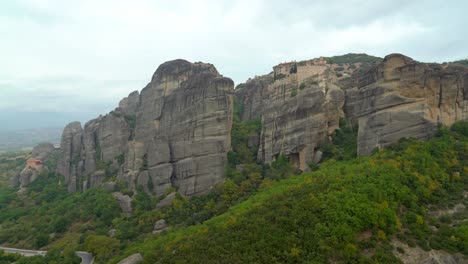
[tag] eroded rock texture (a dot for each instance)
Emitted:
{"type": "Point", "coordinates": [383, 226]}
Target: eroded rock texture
{"type": "Point", "coordinates": [35, 166]}
{"type": "Point", "coordinates": [175, 133]}
{"type": "Point", "coordinates": [300, 106]}
{"type": "Point", "coordinates": [403, 98]}
{"type": "Point", "coordinates": [301, 103]}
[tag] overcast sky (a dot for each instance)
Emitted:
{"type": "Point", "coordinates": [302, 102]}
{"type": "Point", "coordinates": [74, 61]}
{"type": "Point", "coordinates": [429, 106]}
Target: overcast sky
{"type": "Point", "coordinates": [76, 59]}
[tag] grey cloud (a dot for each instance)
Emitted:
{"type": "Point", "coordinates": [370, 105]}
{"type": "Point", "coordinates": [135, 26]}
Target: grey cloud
{"type": "Point", "coordinates": [86, 55]}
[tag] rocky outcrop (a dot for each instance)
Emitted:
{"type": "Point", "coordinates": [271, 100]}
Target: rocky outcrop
{"type": "Point", "coordinates": [167, 201]}
{"type": "Point", "coordinates": [125, 203]}
{"type": "Point", "coordinates": [403, 98]}
{"type": "Point", "coordinates": [175, 133]}
{"type": "Point", "coordinates": [35, 166]}
{"type": "Point", "coordinates": [43, 151]}
{"type": "Point", "coordinates": [160, 226]}
{"type": "Point", "coordinates": [70, 154]}
{"type": "Point", "coordinates": [416, 255]}
{"type": "Point", "coordinates": [300, 106]}
{"type": "Point", "coordinates": [300, 103]}
{"type": "Point", "coordinates": [133, 259]}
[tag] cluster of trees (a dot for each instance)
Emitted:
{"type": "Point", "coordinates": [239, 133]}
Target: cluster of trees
{"type": "Point", "coordinates": [343, 145]}
{"type": "Point", "coordinates": [47, 213]}
{"type": "Point", "coordinates": [347, 211]}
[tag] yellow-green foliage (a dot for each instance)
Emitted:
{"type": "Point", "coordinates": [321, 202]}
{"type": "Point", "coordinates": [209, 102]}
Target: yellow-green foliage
{"type": "Point", "coordinates": [47, 208]}
{"type": "Point", "coordinates": [320, 217]}
{"type": "Point", "coordinates": [102, 247]}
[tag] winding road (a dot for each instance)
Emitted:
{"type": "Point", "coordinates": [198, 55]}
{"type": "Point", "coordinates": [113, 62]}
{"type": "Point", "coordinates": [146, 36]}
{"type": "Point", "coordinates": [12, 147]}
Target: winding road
{"type": "Point", "coordinates": [86, 258]}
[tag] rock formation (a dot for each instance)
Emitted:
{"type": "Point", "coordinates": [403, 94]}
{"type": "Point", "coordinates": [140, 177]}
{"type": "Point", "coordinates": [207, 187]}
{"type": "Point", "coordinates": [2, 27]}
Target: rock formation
{"type": "Point", "coordinates": [125, 203]}
{"type": "Point", "coordinates": [35, 166]}
{"type": "Point", "coordinates": [404, 98]}
{"type": "Point", "coordinates": [300, 106]}
{"type": "Point", "coordinates": [300, 103]}
{"type": "Point", "coordinates": [175, 133]}
{"type": "Point", "coordinates": [159, 226]}
{"type": "Point", "coordinates": [133, 259]}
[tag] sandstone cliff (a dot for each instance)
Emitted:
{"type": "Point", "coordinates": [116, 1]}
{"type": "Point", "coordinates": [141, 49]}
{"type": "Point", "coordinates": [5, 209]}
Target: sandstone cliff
{"type": "Point", "coordinates": [300, 103]}
{"type": "Point", "coordinates": [403, 98]}
{"type": "Point", "coordinates": [300, 106]}
{"type": "Point", "coordinates": [175, 133]}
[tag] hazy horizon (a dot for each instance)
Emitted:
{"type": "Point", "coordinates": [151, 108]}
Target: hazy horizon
{"type": "Point", "coordinates": [65, 61]}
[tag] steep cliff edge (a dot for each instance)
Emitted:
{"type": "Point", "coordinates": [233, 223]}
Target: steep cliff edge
{"type": "Point", "coordinates": [301, 103]}
{"type": "Point", "coordinates": [403, 98]}
{"type": "Point", "coordinates": [175, 133]}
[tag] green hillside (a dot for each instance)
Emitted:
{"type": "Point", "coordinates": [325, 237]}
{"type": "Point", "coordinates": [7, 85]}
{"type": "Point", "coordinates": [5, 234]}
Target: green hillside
{"type": "Point", "coordinates": [349, 210]}
{"type": "Point", "coordinates": [346, 212]}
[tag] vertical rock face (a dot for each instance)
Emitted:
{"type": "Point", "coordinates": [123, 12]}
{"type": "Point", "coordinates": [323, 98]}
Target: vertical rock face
{"type": "Point", "coordinates": [70, 158]}
{"type": "Point", "coordinates": [176, 133]}
{"type": "Point", "coordinates": [403, 98]}
{"type": "Point", "coordinates": [251, 96]}
{"type": "Point", "coordinates": [300, 106]}
{"type": "Point", "coordinates": [301, 103]}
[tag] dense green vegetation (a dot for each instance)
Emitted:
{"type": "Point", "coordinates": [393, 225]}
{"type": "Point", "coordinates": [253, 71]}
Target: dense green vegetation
{"type": "Point", "coordinates": [343, 145]}
{"type": "Point", "coordinates": [353, 58]}
{"type": "Point", "coordinates": [347, 212]}
{"type": "Point", "coordinates": [46, 215]}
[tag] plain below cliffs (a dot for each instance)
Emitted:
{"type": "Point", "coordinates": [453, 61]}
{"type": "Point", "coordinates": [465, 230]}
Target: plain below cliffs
{"type": "Point", "coordinates": [174, 134]}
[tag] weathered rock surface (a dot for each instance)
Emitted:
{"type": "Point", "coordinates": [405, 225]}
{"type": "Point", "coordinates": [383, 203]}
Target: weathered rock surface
{"type": "Point", "coordinates": [29, 174]}
{"type": "Point", "coordinates": [175, 133]}
{"type": "Point", "coordinates": [416, 255]}
{"type": "Point", "coordinates": [133, 259]}
{"type": "Point", "coordinates": [403, 98]}
{"type": "Point", "coordinates": [300, 106]}
{"type": "Point", "coordinates": [31, 171]}
{"type": "Point", "coordinates": [167, 201]}
{"type": "Point", "coordinates": [301, 103]}
{"type": "Point", "coordinates": [159, 226]}
{"type": "Point", "coordinates": [42, 151]}
{"type": "Point", "coordinates": [125, 203]}
{"type": "Point", "coordinates": [70, 154]}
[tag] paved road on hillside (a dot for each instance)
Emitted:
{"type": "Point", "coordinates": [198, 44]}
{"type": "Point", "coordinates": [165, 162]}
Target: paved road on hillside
{"type": "Point", "coordinates": [24, 252]}
{"type": "Point", "coordinates": [86, 258]}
